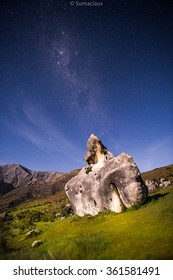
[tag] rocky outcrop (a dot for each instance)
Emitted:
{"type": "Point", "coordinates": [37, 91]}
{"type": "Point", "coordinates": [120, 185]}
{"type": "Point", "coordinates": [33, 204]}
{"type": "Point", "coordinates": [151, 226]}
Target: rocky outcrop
{"type": "Point", "coordinates": [106, 183]}
{"type": "Point", "coordinates": [32, 232]}
{"type": "Point", "coordinates": [36, 243]}
{"type": "Point", "coordinates": [154, 185]}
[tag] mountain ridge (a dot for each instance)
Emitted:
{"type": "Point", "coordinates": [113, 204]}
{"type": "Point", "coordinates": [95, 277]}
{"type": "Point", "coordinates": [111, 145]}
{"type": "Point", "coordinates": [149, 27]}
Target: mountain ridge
{"type": "Point", "coordinates": [19, 184]}
{"type": "Point", "coordinates": [18, 175]}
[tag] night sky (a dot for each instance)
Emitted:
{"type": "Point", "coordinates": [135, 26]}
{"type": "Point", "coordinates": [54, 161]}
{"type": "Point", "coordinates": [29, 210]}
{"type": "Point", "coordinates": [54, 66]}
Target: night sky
{"type": "Point", "coordinates": [69, 70]}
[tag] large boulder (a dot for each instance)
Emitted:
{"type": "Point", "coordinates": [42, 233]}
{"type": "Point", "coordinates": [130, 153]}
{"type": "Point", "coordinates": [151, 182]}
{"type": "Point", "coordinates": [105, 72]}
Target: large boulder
{"type": "Point", "coordinates": [106, 183]}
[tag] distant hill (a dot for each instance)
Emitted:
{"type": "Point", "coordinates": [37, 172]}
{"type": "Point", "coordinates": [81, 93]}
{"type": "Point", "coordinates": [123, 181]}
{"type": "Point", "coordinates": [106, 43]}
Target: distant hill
{"type": "Point", "coordinates": [158, 173]}
{"type": "Point", "coordinates": [20, 176]}
{"type": "Point", "coordinates": [19, 184]}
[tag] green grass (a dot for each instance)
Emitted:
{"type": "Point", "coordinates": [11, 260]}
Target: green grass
{"type": "Point", "coordinates": [141, 233]}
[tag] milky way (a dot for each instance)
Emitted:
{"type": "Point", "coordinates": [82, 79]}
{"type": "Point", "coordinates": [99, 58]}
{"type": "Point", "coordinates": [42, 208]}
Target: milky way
{"type": "Point", "coordinates": [68, 71]}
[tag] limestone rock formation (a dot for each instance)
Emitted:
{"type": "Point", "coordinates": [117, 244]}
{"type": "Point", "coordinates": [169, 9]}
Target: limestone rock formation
{"type": "Point", "coordinates": [36, 243]}
{"type": "Point", "coordinates": [154, 185]}
{"type": "Point", "coordinates": [106, 183]}
{"type": "Point", "coordinates": [151, 185]}
{"type": "Point", "coordinates": [32, 232]}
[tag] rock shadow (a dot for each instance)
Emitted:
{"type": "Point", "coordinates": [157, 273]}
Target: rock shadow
{"type": "Point", "coordinates": [155, 197]}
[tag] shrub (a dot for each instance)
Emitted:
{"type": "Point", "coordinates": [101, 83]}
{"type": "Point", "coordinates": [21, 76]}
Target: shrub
{"type": "Point", "coordinates": [3, 244]}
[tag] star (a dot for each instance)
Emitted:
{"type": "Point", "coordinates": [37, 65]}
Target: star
{"type": "Point", "coordinates": [104, 70]}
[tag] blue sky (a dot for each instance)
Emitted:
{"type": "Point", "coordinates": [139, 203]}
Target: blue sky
{"type": "Point", "coordinates": [69, 71]}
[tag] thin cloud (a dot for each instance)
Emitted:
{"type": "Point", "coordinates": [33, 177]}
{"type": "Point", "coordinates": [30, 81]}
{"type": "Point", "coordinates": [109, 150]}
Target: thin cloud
{"type": "Point", "coordinates": [157, 154]}
{"type": "Point", "coordinates": [42, 133]}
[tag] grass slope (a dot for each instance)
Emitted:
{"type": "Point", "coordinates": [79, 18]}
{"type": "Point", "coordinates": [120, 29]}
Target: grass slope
{"type": "Point", "coordinates": [145, 232]}
{"type": "Point", "coordinates": [162, 172]}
